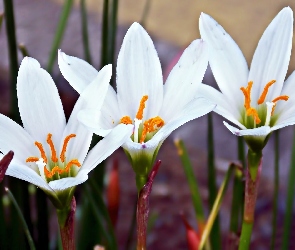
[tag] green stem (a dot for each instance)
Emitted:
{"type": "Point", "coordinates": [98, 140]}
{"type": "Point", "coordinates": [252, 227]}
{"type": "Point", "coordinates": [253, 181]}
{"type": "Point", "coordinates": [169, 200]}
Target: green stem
{"type": "Point", "coordinates": [59, 33]}
{"type": "Point", "coordinates": [193, 185]}
{"type": "Point", "coordinates": [289, 201]}
{"type": "Point", "coordinates": [141, 180]}
{"type": "Point", "coordinates": [1, 20]}
{"type": "Point", "coordinates": [85, 36]}
{"type": "Point", "coordinates": [276, 190]}
{"type": "Point", "coordinates": [216, 206]}
{"type": "Point", "coordinates": [23, 221]}
{"type": "Point", "coordinates": [252, 182]}
{"type": "Point", "coordinates": [215, 234]}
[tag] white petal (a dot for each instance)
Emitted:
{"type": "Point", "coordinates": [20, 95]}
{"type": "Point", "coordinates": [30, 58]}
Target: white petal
{"type": "Point", "coordinates": [64, 183]}
{"type": "Point", "coordinates": [186, 76]}
{"type": "Point", "coordinates": [261, 131]}
{"type": "Point", "coordinates": [223, 108]}
{"type": "Point", "coordinates": [226, 60]}
{"type": "Point", "coordinates": [107, 146]}
{"type": "Point", "coordinates": [285, 109]}
{"type": "Point", "coordinates": [23, 172]}
{"type": "Point", "coordinates": [14, 137]}
{"type": "Point", "coordinates": [92, 96]}
{"type": "Point", "coordinates": [139, 73]}
{"type": "Point", "coordinates": [194, 109]}
{"type": "Point", "coordinates": [271, 58]}
{"type": "Point", "coordinates": [76, 71]}
{"type": "Point", "coordinates": [94, 120]}
{"type": "Point", "coordinates": [284, 123]}
{"type": "Point", "coordinates": [39, 102]}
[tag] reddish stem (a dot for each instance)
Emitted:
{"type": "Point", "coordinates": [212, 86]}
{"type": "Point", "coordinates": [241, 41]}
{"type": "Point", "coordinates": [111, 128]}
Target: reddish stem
{"type": "Point", "coordinates": [142, 212]}
{"type": "Point", "coordinates": [67, 231]}
{"type": "Point", "coordinates": [251, 194]}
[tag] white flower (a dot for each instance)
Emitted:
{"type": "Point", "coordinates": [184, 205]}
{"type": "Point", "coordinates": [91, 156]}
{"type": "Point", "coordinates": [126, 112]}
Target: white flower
{"type": "Point", "coordinates": [49, 152]}
{"type": "Point", "coordinates": [154, 109]}
{"type": "Point", "coordinates": [256, 101]}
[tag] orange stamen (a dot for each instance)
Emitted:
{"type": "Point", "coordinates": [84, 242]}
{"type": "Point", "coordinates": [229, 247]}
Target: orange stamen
{"type": "Point", "coordinates": [64, 147]}
{"type": "Point", "coordinates": [273, 109]}
{"type": "Point", "coordinates": [151, 125]}
{"type": "Point", "coordinates": [265, 91]}
{"type": "Point", "coordinates": [71, 163]}
{"type": "Point", "coordinates": [51, 173]}
{"type": "Point", "coordinates": [139, 114]}
{"type": "Point", "coordinates": [247, 93]}
{"type": "Point", "coordinates": [41, 149]}
{"type": "Point", "coordinates": [32, 159]}
{"type": "Point", "coordinates": [281, 98]}
{"type": "Point", "coordinates": [126, 120]}
{"type": "Point", "coordinates": [52, 148]}
{"type": "Point", "coordinates": [253, 112]}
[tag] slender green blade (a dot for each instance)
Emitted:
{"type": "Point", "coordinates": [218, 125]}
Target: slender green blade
{"type": "Point", "coordinates": [85, 36]}
{"type": "Point", "coordinates": [59, 33]}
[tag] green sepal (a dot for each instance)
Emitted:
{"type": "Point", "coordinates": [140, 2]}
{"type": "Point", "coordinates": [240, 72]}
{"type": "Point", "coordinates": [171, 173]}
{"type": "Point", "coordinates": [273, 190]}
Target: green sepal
{"type": "Point", "coordinates": [254, 159]}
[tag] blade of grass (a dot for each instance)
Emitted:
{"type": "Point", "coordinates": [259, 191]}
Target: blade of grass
{"type": "Point", "coordinates": [192, 182]}
{"type": "Point", "coordinates": [289, 201]}
{"type": "Point", "coordinates": [1, 20]}
{"type": "Point", "coordinates": [216, 207]}
{"type": "Point", "coordinates": [276, 190]}
{"type": "Point", "coordinates": [85, 36]}
{"type": "Point", "coordinates": [23, 49]}
{"type": "Point", "coordinates": [22, 219]}
{"type": "Point", "coordinates": [215, 233]}
{"type": "Point", "coordinates": [101, 212]}
{"type": "Point", "coordinates": [145, 13]}
{"type": "Point", "coordinates": [59, 33]}
{"type": "Point", "coordinates": [104, 34]}
{"type": "Point", "coordinates": [238, 191]}
{"type": "Point", "coordinates": [113, 30]}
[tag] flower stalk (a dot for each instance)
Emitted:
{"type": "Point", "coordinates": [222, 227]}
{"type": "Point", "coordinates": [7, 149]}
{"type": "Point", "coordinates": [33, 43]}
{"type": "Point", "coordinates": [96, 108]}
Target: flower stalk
{"type": "Point", "coordinates": [4, 163]}
{"type": "Point", "coordinates": [142, 212]}
{"type": "Point", "coordinates": [252, 180]}
{"type": "Point", "coordinates": [66, 225]}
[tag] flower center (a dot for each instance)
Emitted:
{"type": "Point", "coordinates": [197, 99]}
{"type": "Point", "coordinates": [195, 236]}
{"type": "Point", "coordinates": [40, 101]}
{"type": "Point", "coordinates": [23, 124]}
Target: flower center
{"type": "Point", "coordinates": [54, 167]}
{"type": "Point", "coordinates": [253, 112]}
{"type": "Point", "coordinates": [143, 129]}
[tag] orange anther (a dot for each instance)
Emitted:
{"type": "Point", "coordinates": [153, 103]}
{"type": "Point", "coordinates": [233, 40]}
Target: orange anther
{"type": "Point", "coordinates": [52, 148]}
{"type": "Point", "coordinates": [71, 163]}
{"type": "Point", "coordinates": [281, 98]}
{"type": "Point", "coordinates": [42, 152]}
{"type": "Point", "coordinates": [141, 107]}
{"type": "Point", "coordinates": [265, 91]}
{"type": "Point", "coordinates": [151, 125]}
{"type": "Point", "coordinates": [32, 159]}
{"type": "Point", "coordinates": [64, 147]}
{"type": "Point", "coordinates": [247, 93]}
{"type": "Point", "coordinates": [47, 172]}
{"type": "Point", "coordinates": [253, 112]}
{"type": "Point", "coordinates": [126, 120]}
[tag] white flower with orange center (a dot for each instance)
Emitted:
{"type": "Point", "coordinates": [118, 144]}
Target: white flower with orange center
{"type": "Point", "coordinates": [154, 109]}
{"type": "Point", "coordinates": [49, 152]}
{"type": "Point", "coordinates": [258, 101]}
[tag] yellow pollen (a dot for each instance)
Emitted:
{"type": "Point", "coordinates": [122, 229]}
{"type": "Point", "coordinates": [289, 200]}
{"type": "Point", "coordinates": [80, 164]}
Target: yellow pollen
{"type": "Point", "coordinates": [52, 148]}
{"type": "Point", "coordinates": [41, 149]}
{"type": "Point", "coordinates": [247, 93]}
{"type": "Point", "coordinates": [151, 125]}
{"type": "Point", "coordinates": [126, 120]}
{"type": "Point", "coordinates": [64, 147]}
{"type": "Point", "coordinates": [265, 91]}
{"type": "Point", "coordinates": [59, 170]}
{"type": "Point", "coordinates": [139, 114]}
{"type": "Point", "coordinates": [253, 112]}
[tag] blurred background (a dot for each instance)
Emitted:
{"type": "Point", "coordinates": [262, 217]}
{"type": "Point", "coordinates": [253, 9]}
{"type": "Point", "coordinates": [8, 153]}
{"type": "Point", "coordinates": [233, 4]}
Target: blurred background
{"type": "Point", "coordinates": [172, 24]}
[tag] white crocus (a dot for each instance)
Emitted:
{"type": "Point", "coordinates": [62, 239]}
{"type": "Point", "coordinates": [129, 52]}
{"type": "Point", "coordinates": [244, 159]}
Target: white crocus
{"type": "Point", "coordinates": [154, 109]}
{"type": "Point", "coordinates": [49, 152]}
{"type": "Point", "coordinates": [257, 101]}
